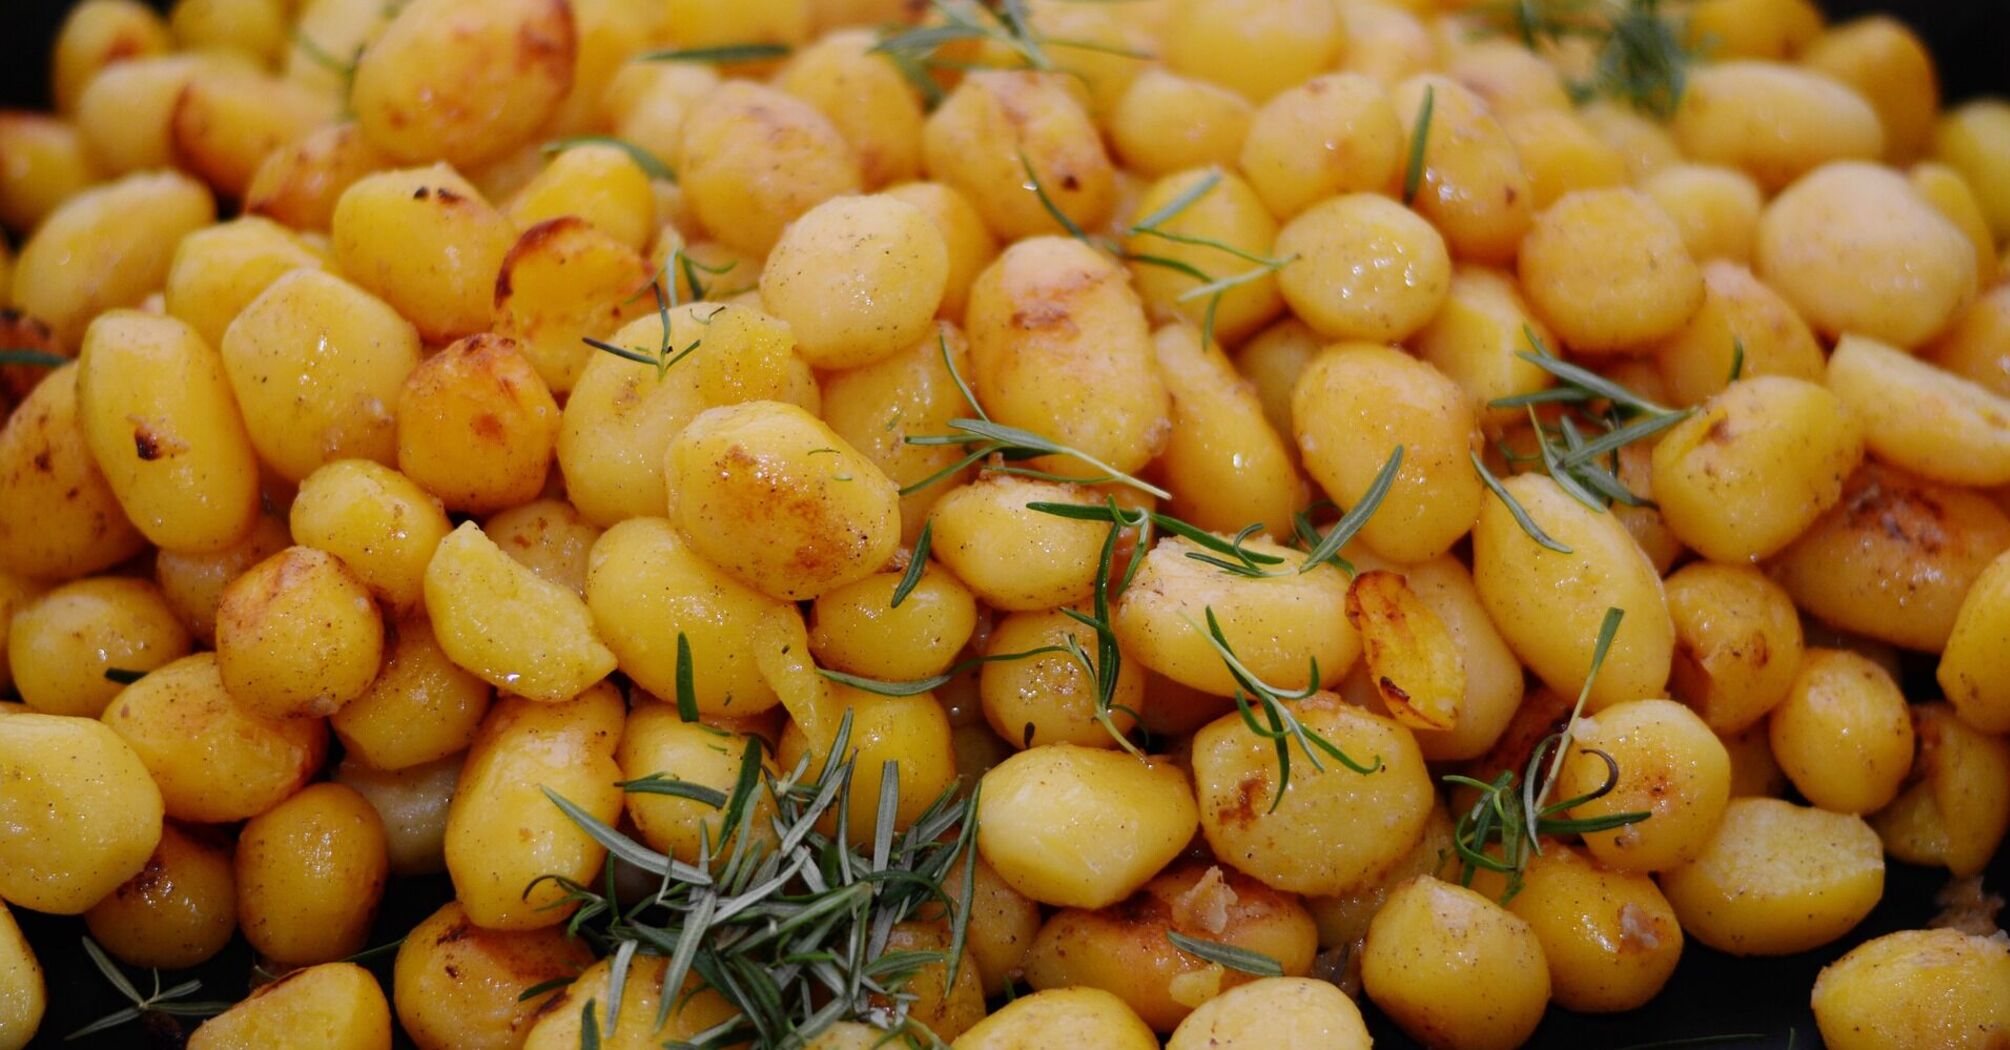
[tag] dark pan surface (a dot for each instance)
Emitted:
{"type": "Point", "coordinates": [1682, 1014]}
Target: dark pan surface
{"type": "Point", "coordinates": [1711, 994]}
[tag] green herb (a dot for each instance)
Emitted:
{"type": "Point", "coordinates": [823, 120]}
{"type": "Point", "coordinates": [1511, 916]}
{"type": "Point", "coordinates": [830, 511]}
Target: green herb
{"type": "Point", "coordinates": [1105, 669]}
{"type": "Point", "coordinates": [1515, 508]}
{"type": "Point", "coordinates": [1515, 819]}
{"type": "Point", "coordinates": [687, 692]}
{"type": "Point", "coordinates": [1737, 358]}
{"type": "Point", "coordinates": [724, 54]}
{"type": "Point", "coordinates": [790, 928]}
{"type": "Point", "coordinates": [1053, 210]}
{"type": "Point", "coordinates": [1279, 726]}
{"type": "Point", "coordinates": [1210, 287]}
{"type": "Point", "coordinates": [345, 72]}
{"type": "Point", "coordinates": [542, 987]}
{"type": "Point", "coordinates": [387, 948]}
{"type": "Point", "coordinates": [662, 357]}
{"type": "Point", "coordinates": [1323, 549]}
{"type": "Point", "coordinates": [1420, 138]}
{"type": "Point", "coordinates": [32, 358]}
{"type": "Point", "coordinates": [1641, 57]}
{"type": "Point", "coordinates": [1581, 451]}
{"type": "Point", "coordinates": [168, 1001]}
{"type": "Point", "coordinates": [917, 563]}
{"type": "Point", "coordinates": [650, 163]}
{"type": "Point", "coordinates": [1239, 959]}
{"type": "Point", "coordinates": [123, 676]}
{"type": "Point", "coordinates": [1229, 555]}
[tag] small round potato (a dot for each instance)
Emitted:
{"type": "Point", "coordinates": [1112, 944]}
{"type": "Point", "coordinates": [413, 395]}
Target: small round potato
{"type": "Point", "coordinates": [298, 636]}
{"type": "Point", "coordinates": [1365, 268]}
{"type": "Point", "coordinates": [1778, 879]}
{"type": "Point", "coordinates": [379, 522]}
{"type": "Point", "coordinates": [214, 760]}
{"type": "Point", "coordinates": [1915, 415]}
{"type": "Point", "coordinates": [1474, 189]}
{"type": "Point", "coordinates": [1774, 121]}
{"type": "Point", "coordinates": [695, 1008]}
{"type": "Point", "coordinates": [1610, 938]}
{"type": "Point", "coordinates": [1165, 122]}
{"type": "Point", "coordinates": [1608, 271]}
{"type": "Point", "coordinates": [477, 427]}
{"type": "Point", "coordinates": [1001, 132]}
{"type": "Point", "coordinates": [756, 158]}
{"type": "Point", "coordinates": [857, 628]}
{"type": "Point", "coordinates": [1916, 989]}
{"type": "Point", "coordinates": [1051, 698]}
{"type": "Point", "coordinates": [656, 741]}
{"type": "Point", "coordinates": [1738, 311]}
{"type": "Point", "coordinates": [24, 997]}
{"type": "Point", "coordinates": [1256, 47]}
{"type": "Point", "coordinates": [59, 516]}
{"type": "Point", "coordinates": [1969, 665]}
{"type": "Point", "coordinates": [1957, 811]}
{"type": "Point", "coordinates": [60, 645]}
{"type": "Point", "coordinates": [1433, 945]}
{"type": "Point", "coordinates": [1330, 135]}
{"type": "Point", "coordinates": [911, 730]}
{"type": "Point", "coordinates": [1082, 827]}
{"type": "Point", "coordinates": [1078, 1016]}
{"type": "Point", "coordinates": [340, 1002]}
{"type": "Point", "coordinates": [413, 803]}
{"type": "Point", "coordinates": [180, 910]}
{"type": "Point", "coordinates": [458, 986]}
{"type": "Point", "coordinates": [1671, 766]}
{"type": "Point", "coordinates": [1738, 643]}
{"type": "Point", "coordinates": [977, 528]}
{"type": "Point", "coordinates": [106, 247]}
{"type": "Point", "coordinates": [82, 814]}
{"type": "Point", "coordinates": [517, 630]}
{"type": "Point", "coordinates": [1275, 1013]}
{"type": "Point", "coordinates": [420, 708]}
{"type": "Point", "coordinates": [1843, 734]}
{"type": "Point", "coordinates": [770, 493]}
{"type": "Point", "coordinates": [425, 241]}
{"type": "Point", "coordinates": [857, 279]}
{"type": "Point", "coordinates": [310, 872]}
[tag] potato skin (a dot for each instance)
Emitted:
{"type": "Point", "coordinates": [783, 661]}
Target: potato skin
{"type": "Point", "coordinates": [1431, 944]}
{"type": "Point", "coordinates": [464, 81]}
{"type": "Point", "coordinates": [425, 241]}
{"type": "Point", "coordinates": [1670, 765]}
{"type": "Point", "coordinates": [1778, 879]}
{"type": "Point", "coordinates": [1091, 1015]}
{"type": "Point", "coordinates": [160, 419]}
{"type": "Point", "coordinates": [976, 138]}
{"type": "Point", "coordinates": [456, 985]}
{"type": "Point", "coordinates": [477, 427]}
{"type": "Point", "coordinates": [106, 247]}
{"type": "Point", "coordinates": [1036, 829]}
{"type": "Point", "coordinates": [1275, 1013]}
{"type": "Point", "coordinates": [772, 494]}
{"type": "Point", "coordinates": [60, 644]}
{"type": "Point", "coordinates": [745, 185]}
{"type": "Point", "coordinates": [514, 629]}
{"type": "Point", "coordinates": [85, 815]}
{"type": "Point", "coordinates": [59, 516]}
{"type": "Point", "coordinates": [340, 1002]}
{"type": "Point", "coordinates": [1980, 636]}
{"type": "Point", "coordinates": [420, 707]}
{"type": "Point", "coordinates": [310, 873]}
{"type": "Point", "coordinates": [298, 635]}
{"type": "Point", "coordinates": [379, 522]}
{"type": "Point", "coordinates": [1609, 937]}
{"type": "Point", "coordinates": [976, 526]}
{"type": "Point", "coordinates": [858, 279]}
{"type": "Point", "coordinates": [1915, 989]}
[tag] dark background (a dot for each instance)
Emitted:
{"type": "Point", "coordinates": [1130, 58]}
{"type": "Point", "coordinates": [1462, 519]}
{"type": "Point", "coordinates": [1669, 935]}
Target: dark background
{"type": "Point", "coordinates": [1711, 994]}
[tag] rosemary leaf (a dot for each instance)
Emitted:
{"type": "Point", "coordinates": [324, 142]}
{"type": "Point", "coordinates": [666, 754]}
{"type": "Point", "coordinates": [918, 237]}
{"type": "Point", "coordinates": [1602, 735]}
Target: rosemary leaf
{"type": "Point", "coordinates": [917, 563]}
{"type": "Point", "coordinates": [1241, 960]}
{"type": "Point", "coordinates": [1420, 138]}
{"type": "Point", "coordinates": [650, 164]}
{"type": "Point", "coordinates": [725, 54]}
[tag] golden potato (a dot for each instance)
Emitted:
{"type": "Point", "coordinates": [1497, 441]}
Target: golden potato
{"type": "Point", "coordinates": [1474, 188]}
{"type": "Point", "coordinates": [299, 183]}
{"type": "Point", "coordinates": [1778, 879]}
{"type": "Point", "coordinates": [1877, 996]}
{"type": "Point", "coordinates": [1333, 828]}
{"type": "Point", "coordinates": [1609, 937]}
{"type": "Point", "coordinates": [1003, 131]}
{"type": "Point", "coordinates": [82, 814]}
{"type": "Point", "coordinates": [477, 427]}
{"type": "Point", "coordinates": [1856, 249]}
{"type": "Point", "coordinates": [1366, 268]}
{"type": "Point", "coordinates": [1126, 948]}
{"type": "Point", "coordinates": [1936, 424]}
{"type": "Point", "coordinates": [598, 184]}
{"type": "Point", "coordinates": [549, 537]}
{"type": "Point", "coordinates": [656, 741]}
{"type": "Point", "coordinates": [516, 630]}
{"type": "Point", "coordinates": [1607, 269]}
{"type": "Point", "coordinates": [1476, 338]}
{"type": "Point", "coordinates": [909, 730]}
{"type": "Point", "coordinates": [1956, 812]}
{"type": "Point", "coordinates": [255, 29]}
{"type": "Point", "coordinates": [1274, 624]}
{"type": "Point", "coordinates": [1039, 831]}
{"type": "Point", "coordinates": [771, 493]}
{"type": "Point", "coordinates": [1671, 766]}
{"type": "Point", "coordinates": [298, 635]}
{"type": "Point", "coordinates": [126, 112]}
{"type": "Point", "coordinates": [462, 81]}
{"type": "Point", "coordinates": [564, 280]}
{"type": "Point", "coordinates": [418, 709]}
{"type": "Point", "coordinates": [1002, 922]}
{"type": "Point", "coordinates": [1164, 122]}
{"type": "Point", "coordinates": [1758, 463]}
{"type": "Point", "coordinates": [310, 872]}
{"type": "Point", "coordinates": [1843, 734]}
{"type": "Point", "coordinates": [1052, 698]}
{"type": "Point", "coordinates": [1738, 643]}
{"type": "Point", "coordinates": [219, 270]}
{"type": "Point", "coordinates": [1774, 121]}
{"type": "Point", "coordinates": [857, 279]}
{"type": "Point", "coordinates": [1889, 66]}
{"type": "Point", "coordinates": [381, 524]}
{"type": "Point", "coordinates": [864, 96]}
{"type": "Point", "coordinates": [213, 760]}
{"type": "Point", "coordinates": [857, 628]}
{"type": "Point", "coordinates": [1893, 559]}
{"type": "Point", "coordinates": [457, 985]}
{"type": "Point", "coordinates": [502, 830]}
{"type": "Point", "coordinates": [1059, 346]}
{"type": "Point", "coordinates": [1352, 407]}
{"type": "Point", "coordinates": [1432, 944]}
{"type": "Point", "coordinates": [1715, 208]}
{"type": "Point", "coordinates": [339, 1002]}
{"type": "Point", "coordinates": [227, 119]}
{"type": "Point", "coordinates": [23, 995]}
{"type": "Point", "coordinates": [106, 247]}
{"type": "Point", "coordinates": [61, 644]}
{"type": "Point", "coordinates": [1951, 196]}
{"type": "Point", "coordinates": [555, 1024]}
{"type": "Point", "coordinates": [1216, 233]}
{"type": "Point", "coordinates": [1548, 605]}
{"type": "Point", "coordinates": [59, 516]}
{"type": "Point", "coordinates": [971, 244]}
{"type": "Point", "coordinates": [424, 241]}
{"type": "Point", "coordinates": [1254, 47]}
{"type": "Point", "coordinates": [1090, 1015]}
{"type": "Point", "coordinates": [45, 164]}
{"type": "Point", "coordinates": [746, 186]}
{"type": "Point", "coordinates": [1738, 311]}
{"type": "Point", "coordinates": [1968, 670]}
{"type": "Point", "coordinates": [1225, 465]}
{"type": "Point", "coordinates": [1974, 139]}
{"type": "Point", "coordinates": [1275, 1013]}
{"type": "Point", "coordinates": [1331, 135]}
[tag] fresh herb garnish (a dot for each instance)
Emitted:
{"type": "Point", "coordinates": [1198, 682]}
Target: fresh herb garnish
{"type": "Point", "coordinates": [1420, 139]}
{"type": "Point", "coordinates": [724, 54]}
{"type": "Point", "coordinates": [1241, 960]}
{"type": "Point", "coordinates": [1737, 358]}
{"type": "Point", "coordinates": [917, 563]}
{"type": "Point", "coordinates": [662, 357]}
{"type": "Point", "coordinates": [1641, 57]}
{"type": "Point", "coordinates": [170, 1001]}
{"type": "Point", "coordinates": [930, 684]}
{"type": "Point", "coordinates": [1515, 819]}
{"type": "Point", "coordinates": [1279, 726]}
{"type": "Point", "coordinates": [650, 163]}
{"type": "Point", "coordinates": [1323, 549]}
{"type": "Point", "coordinates": [32, 358]}
{"type": "Point", "coordinates": [792, 930]}
{"type": "Point", "coordinates": [123, 676]}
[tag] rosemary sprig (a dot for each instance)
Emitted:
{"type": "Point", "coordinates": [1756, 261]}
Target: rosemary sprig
{"type": "Point", "coordinates": [1323, 549]}
{"type": "Point", "coordinates": [917, 563]}
{"type": "Point", "coordinates": [662, 357]}
{"type": "Point", "coordinates": [1516, 819]}
{"type": "Point", "coordinates": [1229, 555]}
{"type": "Point", "coordinates": [170, 1001]}
{"type": "Point", "coordinates": [650, 164]}
{"type": "Point", "coordinates": [1521, 515]}
{"type": "Point", "coordinates": [1242, 960]}
{"type": "Point", "coordinates": [1279, 726]}
{"type": "Point", "coordinates": [1737, 358]}
{"type": "Point", "coordinates": [1641, 58]}
{"type": "Point", "coordinates": [930, 684]}
{"type": "Point", "coordinates": [1210, 287]}
{"type": "Point", "coordinates": [724, 54]}
{"type": "Point", "coordinates": [1420, 139]}
{"type": "Point", "coordinates": [1581, 451]}
{"type": "Point", "coordinates": [1107, 665]}
{"type": "Point", "coordinates": [792, 931]}
{"type": "Point", "coordinates": [32, 358]}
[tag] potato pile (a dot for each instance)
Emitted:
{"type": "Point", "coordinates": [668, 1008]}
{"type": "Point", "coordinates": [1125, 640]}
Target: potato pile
{"type": "Point", "coordinates": [1189, 430]}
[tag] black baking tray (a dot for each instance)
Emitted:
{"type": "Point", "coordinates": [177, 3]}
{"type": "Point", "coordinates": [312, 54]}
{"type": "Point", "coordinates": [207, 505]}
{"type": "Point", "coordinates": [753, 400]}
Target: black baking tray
{"type": "Point", "coordinates": [1711, 994]}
